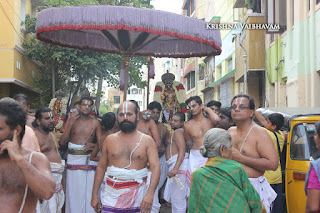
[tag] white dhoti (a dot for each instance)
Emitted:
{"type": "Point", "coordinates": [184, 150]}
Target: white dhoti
{"type": "Point", "coordinates": [163, 176]}
{"type": "Point", "coordinates": [80, 177]}
{"type": "Point", "coordinates": [124, 190]}
{"type": "Point", "coordinates": [265, 191]}
{"type": "Point", "coordinates": [163, 171]}
{"type": "Point", "coordinates": [55, 203]}
{"type": "Point", "coordinates": [196, 160]}
{"type": "Point", "coordinates": [176, 187]}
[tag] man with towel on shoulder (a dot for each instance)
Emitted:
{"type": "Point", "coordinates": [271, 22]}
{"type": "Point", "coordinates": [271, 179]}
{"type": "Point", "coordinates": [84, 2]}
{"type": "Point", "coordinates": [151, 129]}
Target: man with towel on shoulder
{"type": "Point", "coordinates": [253, 147]}
{"type": "Point", "coordinates": [123, 161]}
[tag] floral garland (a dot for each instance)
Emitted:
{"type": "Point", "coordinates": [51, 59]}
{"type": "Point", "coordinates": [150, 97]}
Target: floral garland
{"type": "Point", "coordinates": [64, 102]}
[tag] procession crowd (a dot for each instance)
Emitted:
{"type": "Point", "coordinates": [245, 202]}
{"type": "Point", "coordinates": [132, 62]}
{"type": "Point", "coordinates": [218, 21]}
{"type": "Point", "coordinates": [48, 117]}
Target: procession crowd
{"type": "Point", "coordinates": [219, 160]}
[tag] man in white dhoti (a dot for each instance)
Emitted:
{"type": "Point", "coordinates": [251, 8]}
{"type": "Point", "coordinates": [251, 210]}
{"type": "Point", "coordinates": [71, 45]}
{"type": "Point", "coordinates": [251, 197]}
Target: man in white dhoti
{"type": "Point", "coordinates": [202, 120]}
{"type": "Point", "coordinates": [82, 132]}
{"type": "Point", "coordinates": [124, 158]}
{"type": "Point", "coordinates": [55, 203]}
{"type": "Point", "coordinates": [177, 161]}
{"type": "Point", "coordinates": [253, 147]}
{"type": "Point", "coordinates": [44, 125]}
{"type": "Point", "coordinates": [155, 108]}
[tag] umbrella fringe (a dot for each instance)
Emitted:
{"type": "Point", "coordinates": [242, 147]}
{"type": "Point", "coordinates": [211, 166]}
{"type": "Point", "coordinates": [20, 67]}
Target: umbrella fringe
{"type": "Point", "coordinates": [124, 27]}
{"type": "Point", "coordinates": [169, 34]}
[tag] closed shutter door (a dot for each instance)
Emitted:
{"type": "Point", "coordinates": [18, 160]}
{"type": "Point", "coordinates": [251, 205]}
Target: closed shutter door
{"type": "Point", "coordinates": [228, 96]}
{"type": "Point", "coordinates": [225, 94]}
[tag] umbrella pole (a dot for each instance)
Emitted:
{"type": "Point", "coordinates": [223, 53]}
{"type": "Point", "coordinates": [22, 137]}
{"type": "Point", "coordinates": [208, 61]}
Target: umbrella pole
{"type": "Point", "coordinates": [126, 77]}
{"type": "Point", "coordinates": [148, 82]}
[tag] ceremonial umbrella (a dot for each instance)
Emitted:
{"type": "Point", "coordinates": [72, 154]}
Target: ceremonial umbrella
{"type": "Point", "coordinates": [127, 31]}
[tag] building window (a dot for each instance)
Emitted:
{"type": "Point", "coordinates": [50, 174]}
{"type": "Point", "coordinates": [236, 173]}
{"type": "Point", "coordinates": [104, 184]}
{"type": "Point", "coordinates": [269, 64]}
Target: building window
{"type": "Point", "coordinates": [116, 99]}
{"type": "Point", "coordinates": [188, 84]}
{"type": "Point", "coordinates": [201, 73]}
{"type": "Point", "coordinates": [230, 65]}
{"type": "Point", "coordinates": [140, 103]}
{"type": "Point", "coordinates": [192, 6]}
{"type": "Point", "coordinates": [271, 38]}
{"type": "Point", "coordinates": [33, 12]}
{"type": "Point", "coordinates": [128, 91]}
{"type": "Point", "coordinates": [189, 7]}
{"type": "Point", "coordinates": [140, 91]}
{"type": "Point", "coordinates": [318, 1]}
{"type": "Point", "coordinates": [191, 80]}
{"type": "Point", "coordinates": [213, 76]}
{"type": "Point", "coordinates": [237, 14]}
{"type": "Point", "coordinates": [283, 16]}
{"type": "Point", "coordinates": [292, 12]}
{"type": "Point", "coordinates": [225, 93]}
{"type": "Point", "coordinates": [23, 13]}
{"type": "Point", "coordinates": [134, 91]}
{"type": "Point", "coordinates": [276, 14]}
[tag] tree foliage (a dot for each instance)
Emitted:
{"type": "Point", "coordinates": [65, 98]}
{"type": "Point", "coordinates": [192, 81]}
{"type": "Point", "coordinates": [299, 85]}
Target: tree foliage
{"type": "Point", "coordinates": [84, 67]}
{"type": "Point", "coordinates": [105, 107]}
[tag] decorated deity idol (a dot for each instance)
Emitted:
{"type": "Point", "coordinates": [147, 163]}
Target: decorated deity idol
{"type": "Point", "coordinates": [172, 96]}
{"type": "Point", "coordinates": [58, 106]}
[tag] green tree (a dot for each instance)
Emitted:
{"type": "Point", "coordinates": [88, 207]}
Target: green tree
{"type": "Point", "coordinates": [105, 107]}
{"type": "Point", "coordinates": [86, 67]}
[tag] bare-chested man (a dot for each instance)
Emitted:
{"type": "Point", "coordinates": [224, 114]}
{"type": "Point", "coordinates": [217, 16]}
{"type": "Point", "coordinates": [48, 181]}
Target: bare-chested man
{"type": "Point", "coordinates": [108, 121]}
{"type": "Point", "coordinates": [147, 125]}
{"type": "Point", "coordinates": [155, 108]}
{"type": "Point", "coordinates": [29, 139]}
{"type": "Point", "coordinates": [24, 101]}
{"type": "Point", "coordinates": [124, 156]}
{"type": "Point", "coordinates": [253, 147]}
{"type": "Point", "coordinates": [194, 131]}
{"type": "Point", "coordinates": [177, 161]}
{"type": "Point", "coordinates": [24, 174]}
{"type": "Point", "coordinates": [81, 132]}
{"type": "Point", "coordinates": [44, 125]}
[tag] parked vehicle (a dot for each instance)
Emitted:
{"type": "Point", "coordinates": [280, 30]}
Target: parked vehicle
{"type": "Point", "coordinates": [301, 149]}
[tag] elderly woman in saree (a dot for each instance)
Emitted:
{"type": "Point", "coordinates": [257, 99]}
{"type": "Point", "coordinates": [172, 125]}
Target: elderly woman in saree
{"type": "Point", "coordinates": [221, 185]}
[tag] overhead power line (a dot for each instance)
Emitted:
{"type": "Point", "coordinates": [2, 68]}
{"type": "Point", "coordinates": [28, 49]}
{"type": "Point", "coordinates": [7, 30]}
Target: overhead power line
{"type": "Point", "coordinates": [19, 35]}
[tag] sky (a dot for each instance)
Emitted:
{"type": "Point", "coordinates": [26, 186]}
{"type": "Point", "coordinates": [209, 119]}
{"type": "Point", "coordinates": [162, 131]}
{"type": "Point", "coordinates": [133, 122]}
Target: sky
{"type": "Point", "coordinates": [168, 5]}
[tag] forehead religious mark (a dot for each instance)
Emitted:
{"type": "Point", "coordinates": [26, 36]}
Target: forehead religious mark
{"type": "Point", "coordinates": [50, 114]}
{"type": "Point", "coordinates": [125, 110]}
{"type": "Point", "coordinates": [239, 100]}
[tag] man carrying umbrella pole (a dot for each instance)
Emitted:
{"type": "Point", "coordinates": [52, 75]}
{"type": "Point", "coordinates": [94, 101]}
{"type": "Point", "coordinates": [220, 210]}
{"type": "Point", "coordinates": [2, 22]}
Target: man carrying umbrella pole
{"type": "Point", "coordinates": [124, 156]}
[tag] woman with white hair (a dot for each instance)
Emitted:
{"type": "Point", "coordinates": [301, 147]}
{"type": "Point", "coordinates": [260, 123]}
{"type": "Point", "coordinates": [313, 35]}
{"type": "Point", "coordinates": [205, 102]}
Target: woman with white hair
{"type": "Point", "coordinates": [221, 185]}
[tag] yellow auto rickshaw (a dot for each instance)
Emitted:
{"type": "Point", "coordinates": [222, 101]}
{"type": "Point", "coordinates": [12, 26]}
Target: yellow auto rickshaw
{"type": "Point", "coordinates": [301, 149]}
